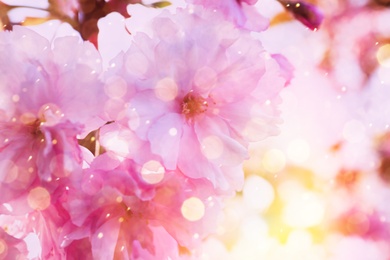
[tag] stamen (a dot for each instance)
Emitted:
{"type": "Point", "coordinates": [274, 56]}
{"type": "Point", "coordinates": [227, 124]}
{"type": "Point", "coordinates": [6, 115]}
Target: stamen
{"type": "Point", "coordinates": [193, 105]}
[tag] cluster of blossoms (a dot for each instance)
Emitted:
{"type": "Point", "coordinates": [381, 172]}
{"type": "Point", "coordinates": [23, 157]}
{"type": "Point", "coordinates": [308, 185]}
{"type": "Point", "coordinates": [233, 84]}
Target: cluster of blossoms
{"type": "Point", "coordinates": [169, 120]}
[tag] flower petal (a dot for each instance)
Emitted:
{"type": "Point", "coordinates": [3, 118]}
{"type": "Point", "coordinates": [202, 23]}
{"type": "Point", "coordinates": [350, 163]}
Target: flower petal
{"type": "Point", "coordinates": [164, 136]}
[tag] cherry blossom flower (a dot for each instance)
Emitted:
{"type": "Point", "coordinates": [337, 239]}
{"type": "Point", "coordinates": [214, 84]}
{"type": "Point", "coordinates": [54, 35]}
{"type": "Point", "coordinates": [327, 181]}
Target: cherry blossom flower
{"type": "Point", "coordinates": [241, 12]}
{"type": "Point", "coordinates": [125, 208]}
{"type": "Point", "coordinates": [45, 220]}
{"type": "Point", "coordinates": [11, 247]}
{"type": "Point", "coordinates": [361, 52]}
{"type": "Point", "coordinates": [198, 100]}
{"type": "Point", "coordinates": [46, 103]}
{"type": "Point", "coordinates": [48, 227]}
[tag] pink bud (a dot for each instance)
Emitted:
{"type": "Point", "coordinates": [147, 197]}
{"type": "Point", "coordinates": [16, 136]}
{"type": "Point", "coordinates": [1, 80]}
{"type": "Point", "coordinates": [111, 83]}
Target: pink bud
{"type": "Point", "coordinates": [306, 13]}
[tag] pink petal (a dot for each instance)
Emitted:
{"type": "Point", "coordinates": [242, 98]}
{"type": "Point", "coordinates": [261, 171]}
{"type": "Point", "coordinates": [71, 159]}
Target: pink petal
{"type": "Point", "coordinates": [203, 168]}
{"type": "Point", "coordinates": [144, 109]}
{"type": "Point", "coordinates": [254, 20]}
{"type": "Point", "coordinates": [164, 136]}
{"type": "Point", "coordinates": [224, 150]}
{"type": "Point", "coordinates": [103, 241]}
{"type": "Point", "coordinates": [120, 141]}
{"type": "Point", "coordinates": [13, 248]}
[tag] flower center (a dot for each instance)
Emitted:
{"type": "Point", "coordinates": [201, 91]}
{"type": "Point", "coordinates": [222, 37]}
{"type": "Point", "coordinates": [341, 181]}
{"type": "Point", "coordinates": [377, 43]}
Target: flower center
{"type": "Point", "coordinates": [193, 105]}
{"type": "Point", "coordinates": [35, 129]}
{"type": "Point", "coordinates": [50, 114]}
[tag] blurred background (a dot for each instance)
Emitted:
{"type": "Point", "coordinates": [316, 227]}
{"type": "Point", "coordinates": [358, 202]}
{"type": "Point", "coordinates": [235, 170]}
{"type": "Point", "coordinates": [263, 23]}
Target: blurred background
{"type": "Point", "coordinates": [321, 188]}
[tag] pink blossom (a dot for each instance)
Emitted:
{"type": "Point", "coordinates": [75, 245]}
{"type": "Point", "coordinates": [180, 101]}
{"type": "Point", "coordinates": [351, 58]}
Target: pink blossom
{"type": "Point", "coordinates": [124, 217]}
{"type": "Point", "coordinates": [120, 143]}
{"type": "Point", "coordinates": [351, 55]}
{"type": "Point", "coordinates": [48, 226]}
{"type": "Point", "coordinates": [241, 12]}
{"type": "Point", "coordinates": [46, 103]}
{"type": "Point", "coordinates": [200, 95]}
{"type": "Point", "coordinates": [46, 217]}
{"type": "Point", "coordinates": [370, 227]}
{"type": "Point", "coordinates": [308, 14]}
{"type": "Point", "coordinates": [11, 247]}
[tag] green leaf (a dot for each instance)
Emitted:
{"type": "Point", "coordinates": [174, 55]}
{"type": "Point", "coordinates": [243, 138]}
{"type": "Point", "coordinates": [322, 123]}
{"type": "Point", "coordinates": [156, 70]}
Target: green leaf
{"type": "Point", "coordinates": [161, 4]}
